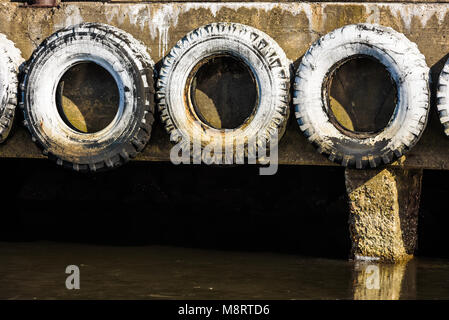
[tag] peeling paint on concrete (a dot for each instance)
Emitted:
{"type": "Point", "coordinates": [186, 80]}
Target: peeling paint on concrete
{"type": "Point", "coordinates": [158, 19]}
{"type": "Point", "coordinates": [374, 16]}
{"type": "Point", "coordinates": [423, 12]}
{"type": "Point", "coordinates": [72, 16]}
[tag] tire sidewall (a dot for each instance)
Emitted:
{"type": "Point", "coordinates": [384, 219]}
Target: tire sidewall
{"type": "Point", "coordinates": [250, 46]}
{"type": "Point", "coordinates": [10, 60]}
{"type": "Point", "coordinates": [47, 68]}
{"type": "Point", "coordinates": [393, 51]}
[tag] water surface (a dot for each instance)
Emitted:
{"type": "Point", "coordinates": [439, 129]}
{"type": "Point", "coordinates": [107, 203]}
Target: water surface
{"type": "Point", "coordinates": [36, 270]}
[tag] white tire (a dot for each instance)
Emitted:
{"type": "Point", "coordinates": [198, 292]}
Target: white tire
{"type": "Point", "coordinates": [10, 61]}
{"type": "Point", "coordinates": [127, 61]}
{"type": "Point", "coordinates": [407, 68]}
{"type": "Point", "coordinates": [263, 56]}
{"type": "Point", "coordinates": [443, 97]}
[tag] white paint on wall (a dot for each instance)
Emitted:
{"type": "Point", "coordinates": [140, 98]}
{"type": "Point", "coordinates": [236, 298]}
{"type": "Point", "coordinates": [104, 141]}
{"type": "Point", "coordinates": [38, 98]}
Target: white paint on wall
{"type": "Point", "coordinates": [374, 12]}
{"type": "Point", "coordinates": [157, 19]}
{"type": "Point", "coordinates": [423, 12]}
{"type": "Point", "coordinates": [138, 14]}
{"type": "Point", "coordinates": [161, 20]}
{"type": "Point", "coordinates": [72, 16]}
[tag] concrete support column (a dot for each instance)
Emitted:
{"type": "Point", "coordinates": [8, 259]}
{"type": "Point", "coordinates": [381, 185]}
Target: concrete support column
{"type": "Point", "coordinates": [383, 216]}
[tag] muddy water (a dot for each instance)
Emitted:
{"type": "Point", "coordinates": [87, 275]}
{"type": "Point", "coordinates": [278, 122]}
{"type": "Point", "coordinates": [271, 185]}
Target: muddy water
{"type": "Point", "coordinates": [126, 230]}
{"type": "Point", "coordinates": [36, 270]}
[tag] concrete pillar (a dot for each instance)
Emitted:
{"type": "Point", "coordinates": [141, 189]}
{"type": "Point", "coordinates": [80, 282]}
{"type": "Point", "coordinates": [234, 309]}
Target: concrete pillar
{"type": "Point", "coordinates": [383, 215]}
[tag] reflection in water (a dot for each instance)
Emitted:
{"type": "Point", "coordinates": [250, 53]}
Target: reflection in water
{"type": "Point", "coordinates": [38, 270]}
{"type": "Point", "coordinates": [376, 281]}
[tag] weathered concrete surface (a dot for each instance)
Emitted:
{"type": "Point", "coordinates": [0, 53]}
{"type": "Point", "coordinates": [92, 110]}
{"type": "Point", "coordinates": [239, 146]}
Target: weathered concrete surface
{"type": "Point", "coordinates": [295, 26]}
{"type": "Point", "coordinates": [89, 97]}
{"type": "Point", "coordinates": [140, 1]}
{"type": "Point", "coordinates": [383, 214]}
{"type": "Point", "coordinates": [366, 110]}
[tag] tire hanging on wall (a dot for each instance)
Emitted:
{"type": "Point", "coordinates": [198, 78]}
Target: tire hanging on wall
{"type": "Point", "coordinates": [128, 62]}
{"type": "Point", "coordinates": [270, 71]}
{"type": "Point", "coordinates": [10, 61]}
{"type": "Point", "coordinates": [443, 97]}
{"type": "Point", "coordinates": [407, 68]}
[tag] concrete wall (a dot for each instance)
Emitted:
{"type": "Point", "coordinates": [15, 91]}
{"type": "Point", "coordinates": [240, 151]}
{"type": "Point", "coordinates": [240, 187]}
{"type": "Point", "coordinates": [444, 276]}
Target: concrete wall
{"type": "Point", "coordinates": [295, 26]}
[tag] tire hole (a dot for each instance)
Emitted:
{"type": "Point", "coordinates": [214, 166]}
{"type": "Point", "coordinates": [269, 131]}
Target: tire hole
{"type": "Point", "coordinates": [223, 92]}
{"type": "Point", "coordinates": [87, 98]}
{"type": "Point", "coordinates": [362, 96]}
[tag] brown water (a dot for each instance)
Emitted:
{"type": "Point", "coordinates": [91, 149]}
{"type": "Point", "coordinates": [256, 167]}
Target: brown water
{"type": "Point", "coordinates": [36, 270]}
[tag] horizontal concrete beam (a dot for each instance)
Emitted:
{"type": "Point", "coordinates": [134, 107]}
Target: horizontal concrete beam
{"type": "Point", "coordinates": [240, 1]}
{"type": "Point", "coordinates": [295, 26]}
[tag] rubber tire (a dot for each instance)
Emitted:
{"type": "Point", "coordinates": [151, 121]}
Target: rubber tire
{"type": "Point", "coordinates": [270, 68]}
{"type": "Point", "coordinates": [407, 68]}
{"type": "Point", "coordinates": [10, 61]}
{"type": "Point", "coordinates": [443, 97]}
{"type": "Point", "coordinates": [127, 61]}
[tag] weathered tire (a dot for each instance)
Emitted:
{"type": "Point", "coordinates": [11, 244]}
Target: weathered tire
{"type": "Point", "coordinates": [443, 97]}
{"type": "Point", "coordinates": [10, 60]}
{"type": "Point", "coordinates": [263, 56]}
{"type": "Point", "coordinates": [127, 60]}
{"type": "Point", "coordinates": [407, 68]}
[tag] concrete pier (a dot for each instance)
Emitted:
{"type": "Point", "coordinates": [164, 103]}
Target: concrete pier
{"type": "Point", "coordinates": [160, 24]}
{"type": "Point", "coordinates": [384, 203]}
